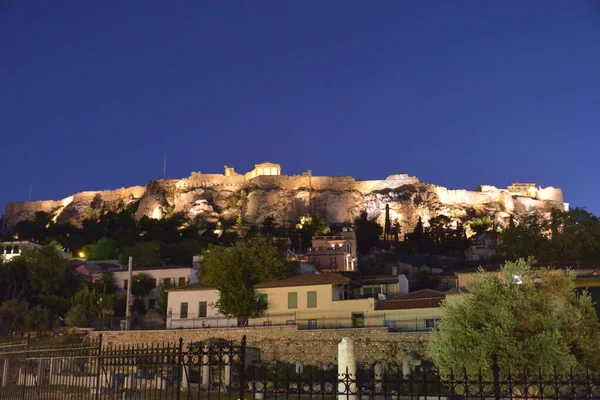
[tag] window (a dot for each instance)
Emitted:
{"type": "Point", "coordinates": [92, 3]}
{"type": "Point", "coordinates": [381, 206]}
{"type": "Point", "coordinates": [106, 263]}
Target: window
{"type": "Point", "coordinates": [182, 281]}
{"type": "Point", "coordinates": [167, 281]}
{"type": "Point", "coordinates": [311, 299]}
{"type": "Point", "coordinates": [8, 249]}
{"type": "Point", "coordinates": [290, 322]}
{"type": "Point", "coordinates": [202, 309]}
{"type": "Point", "coordinates": [183, 310]}
{"type": "Point", "coordinates": [16, 250]}
{"type": "Point", "coordinates": [431, 323]}
{"type": "Point", "coordinates": [333, 261]}
{"type": "Point", "coordinates": [292, 299]}
{"type": "Point", "coordinates": [125, 282]}
{"type": "Point", "coordinates": [264, 299]}
{"type": "Point", "coordinates": [312, 324]}
{"type": "Point", "coordinates": [445, 285]}
{"type": "Point", "coordinates": [151, 303]}
{"type": "Point", "coordinates": [267, 323]}
{"type": "Point", "coordinates": [154, 283]}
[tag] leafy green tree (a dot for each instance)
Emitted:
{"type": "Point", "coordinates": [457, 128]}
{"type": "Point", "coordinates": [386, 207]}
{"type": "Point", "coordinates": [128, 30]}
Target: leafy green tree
{"type": "Point", "coordinates": [144, 254]}
{"type": "Point", "coordinates": [235, 270]}
{"type": "Point", "coordinates": [141, 285]}
{"type": "Point", "coordinates": [89, 302]}
{"type": "Point", "coordinates": [107, 284]}
{"type": "Point", "coordinates": [103, 249]}
{"type": "Point", "coordinates": [19, 317]}
{"type": "Point", "coordinates": [533, 320]}
{"type": "Point", "coordinates": [163, 299]}
{"type": "Point", "coordinates": [308, 226]}
{"type": "Point", "coordinates": [481, 224]}
{"type": "Point", "coordinates": [77, 316]}
{"type": "Point", "coordinates": [367, 234]}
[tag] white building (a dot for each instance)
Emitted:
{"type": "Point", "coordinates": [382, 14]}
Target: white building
{"type": "Point", "coordinates": [177, 276]}
{"type": "Point", "coordinates": [14, 248]}
{"type": "Point", "coordinates": [193, 306]}
{"type": "Point", "coordinates": [485, 247]}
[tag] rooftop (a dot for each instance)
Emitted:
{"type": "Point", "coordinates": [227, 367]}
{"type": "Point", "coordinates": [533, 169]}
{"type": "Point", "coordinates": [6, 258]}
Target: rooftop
{"type": "Point", "coordinates": [194, 286]}
{"type": "Point", "coordinates": [308, 280]}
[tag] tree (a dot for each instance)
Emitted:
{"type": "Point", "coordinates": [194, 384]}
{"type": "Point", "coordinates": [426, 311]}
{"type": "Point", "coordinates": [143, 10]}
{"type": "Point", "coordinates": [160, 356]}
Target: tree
{"type": "Point", "coordinates": [367, 234]}
{"type": "Point", "coordinates": [481, 224]}
{"type": "Point", "coordinates": [163, 299]}
{"type": "Point", "coordinates": [103, 249]}
{"type": "Point", "coordinates": [534, 320]}
{"type": "Point", "coordinates": [141, 285]}
{"type": "Point", "coordinates": [87, 306]}
{"type": "Point", "coordinates": [235, 270]}
{"type": "Point", "coordinates": [395, 231]}
{"type": "Point", "coordinates": [387, 228]}
{"type": "Point", "coordinates": [144, 254]}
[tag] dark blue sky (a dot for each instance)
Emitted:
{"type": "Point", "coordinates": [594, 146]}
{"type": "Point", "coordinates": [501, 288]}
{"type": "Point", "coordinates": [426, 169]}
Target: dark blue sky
{"type": "Point", "coordinates": [458, 93]}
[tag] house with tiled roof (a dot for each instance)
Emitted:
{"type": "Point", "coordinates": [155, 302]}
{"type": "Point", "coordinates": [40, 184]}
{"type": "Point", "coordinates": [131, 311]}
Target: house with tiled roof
{"type": "Point", "coordinates": [317, 301]}
{"type": "Point", "coordinates": [418, 310]}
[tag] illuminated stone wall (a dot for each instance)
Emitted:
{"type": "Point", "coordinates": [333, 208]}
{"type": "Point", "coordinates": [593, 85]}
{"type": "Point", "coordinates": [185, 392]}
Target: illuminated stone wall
{"type": "Point", "coordinates": [210, 197]}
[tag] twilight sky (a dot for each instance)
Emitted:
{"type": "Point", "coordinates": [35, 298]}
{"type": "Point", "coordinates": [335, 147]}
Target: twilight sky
{"type": "Point", "coordinates": [458, 93]}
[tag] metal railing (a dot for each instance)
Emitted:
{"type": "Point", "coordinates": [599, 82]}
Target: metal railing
{"type": "Point", "coordinates": [304, 321]}
{"type": "Point", "coordinates": [230, 370]}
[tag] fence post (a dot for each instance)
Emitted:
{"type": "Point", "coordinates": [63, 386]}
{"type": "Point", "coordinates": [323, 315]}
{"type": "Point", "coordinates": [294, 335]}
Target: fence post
{"type": "Point", "coordinates": [25, 375]}
{"type": "Point", "coordinates": [98, 369]}
{"type": "Point", "coordinates": [179, 367]}
{"type": "Point", "coordinates": [496, 374]}
{"type": "Point", "coordinates": [242, 368]}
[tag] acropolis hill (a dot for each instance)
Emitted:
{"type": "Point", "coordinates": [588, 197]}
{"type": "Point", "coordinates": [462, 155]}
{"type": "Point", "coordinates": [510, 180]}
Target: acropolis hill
{"type": "Point", "coordinates": [264, 192]}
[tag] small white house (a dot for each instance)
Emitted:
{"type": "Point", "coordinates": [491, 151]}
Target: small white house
{"type": "Point", "coordinates": [485, 247]}
{"type": "Point", "coordinates": [14, 248]}
{"type": "Point", "coordinates": [193, 306]}
{"type": "Point", "coordinates": [177, 276]}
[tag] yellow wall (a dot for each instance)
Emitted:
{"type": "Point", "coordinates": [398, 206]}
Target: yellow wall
{"type": "Point", "coordinates": [278, 301]}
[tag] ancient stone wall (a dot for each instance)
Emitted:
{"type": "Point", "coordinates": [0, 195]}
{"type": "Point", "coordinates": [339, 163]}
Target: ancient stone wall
{"type": "Point", "coordinates": [339, 199]}
{"type": "Point", "coordinates": [288, 344]}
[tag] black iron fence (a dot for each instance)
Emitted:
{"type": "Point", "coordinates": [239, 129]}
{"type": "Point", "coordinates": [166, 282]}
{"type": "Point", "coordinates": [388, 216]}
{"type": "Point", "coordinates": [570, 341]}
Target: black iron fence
{"type": "Point", "coordinates": [229, 370]}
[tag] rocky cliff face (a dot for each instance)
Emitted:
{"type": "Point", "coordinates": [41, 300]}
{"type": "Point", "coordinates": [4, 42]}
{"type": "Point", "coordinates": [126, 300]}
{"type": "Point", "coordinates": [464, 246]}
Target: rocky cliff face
{"type": "Point", "coordinates": [209, 198]}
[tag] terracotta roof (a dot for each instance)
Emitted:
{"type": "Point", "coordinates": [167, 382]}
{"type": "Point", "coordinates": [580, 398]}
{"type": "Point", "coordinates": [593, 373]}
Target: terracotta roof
{"type": "Point", "coordinates": [406, 304]}
{"type": "Point", "coordinates": [193, 286]}
{"type": "Point", "coordinates": [422, 294]}
{"type": "Point", "coordinates": [575, 265]}
{"type": "Point", "coordinates": [308, 280]}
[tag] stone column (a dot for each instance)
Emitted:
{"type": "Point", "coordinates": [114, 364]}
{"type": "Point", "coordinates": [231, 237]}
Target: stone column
{"type": "Point", "coordinates": [227, 370]}
{"type": "Point", "coordinates": [205, 367]}
{"type": "Point", "coordinates": [6, 372]}
{"type": "Point", "coordinates": [378, 370]}
{"type": "Point", "coordinates": [346, 370]}
{"type": "Point", "coordinates": [185, 377]}
{"type": "Point", "coordinates": [406, 368]}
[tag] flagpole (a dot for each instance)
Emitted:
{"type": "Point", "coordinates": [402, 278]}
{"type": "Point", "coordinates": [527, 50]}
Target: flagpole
{"type": "Point", "coordinates": [129, 285]}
